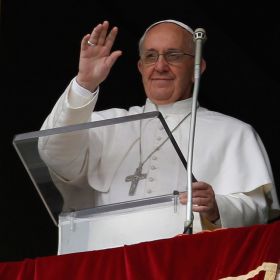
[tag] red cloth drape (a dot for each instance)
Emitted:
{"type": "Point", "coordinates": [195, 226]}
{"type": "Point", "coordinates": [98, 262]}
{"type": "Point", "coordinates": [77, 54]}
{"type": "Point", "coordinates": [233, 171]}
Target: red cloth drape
{"type": "Point", "coordinates": [206, 255]}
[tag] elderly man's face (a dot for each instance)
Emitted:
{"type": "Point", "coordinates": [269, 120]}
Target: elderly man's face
{"type": "Point", "coordinates": [165, 82]}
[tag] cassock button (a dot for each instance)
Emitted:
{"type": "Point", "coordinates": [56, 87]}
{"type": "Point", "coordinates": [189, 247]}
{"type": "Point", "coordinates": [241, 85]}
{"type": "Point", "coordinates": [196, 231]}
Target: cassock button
{"type": "Point", "coordinates": [149, 190]}
{"type": "Point", "coordinates": [151, 179]}
{"type": "Point", "coordinates": [153, 167]}
{"type": "Point", "coordinates": [159, 138]}
{"type": "Point", "coordinates": [154, 157]}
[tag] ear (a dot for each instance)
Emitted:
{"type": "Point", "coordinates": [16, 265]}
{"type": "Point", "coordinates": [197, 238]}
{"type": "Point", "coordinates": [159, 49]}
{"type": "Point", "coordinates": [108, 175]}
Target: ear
{"type": "Point", "coordinates": [140, 66]}
{"type": "Point", "coordinates": [202, 68]}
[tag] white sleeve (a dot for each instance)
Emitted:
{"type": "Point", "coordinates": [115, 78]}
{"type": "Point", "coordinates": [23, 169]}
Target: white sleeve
{"type": "Point", "coordinates": [66, 153]}
{"type": "Point", "coordinates": [243, 209]}
{"type": "Point", "coordinates": [79, 96]}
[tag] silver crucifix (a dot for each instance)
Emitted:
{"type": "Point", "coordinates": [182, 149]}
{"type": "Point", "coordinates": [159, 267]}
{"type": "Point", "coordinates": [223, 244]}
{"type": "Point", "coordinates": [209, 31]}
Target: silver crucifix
{"type": "Point", "coordinates": [135, 178]}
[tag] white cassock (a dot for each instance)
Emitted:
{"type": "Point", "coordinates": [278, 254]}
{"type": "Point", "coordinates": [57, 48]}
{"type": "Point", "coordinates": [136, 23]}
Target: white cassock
{"type": "Point", "coordinates": [228, 155]}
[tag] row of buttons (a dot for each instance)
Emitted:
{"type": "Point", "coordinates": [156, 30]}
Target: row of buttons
{"type": "Point", "coordinates": [154, 157]}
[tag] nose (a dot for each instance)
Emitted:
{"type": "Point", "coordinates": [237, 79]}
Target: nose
{"type": "Point", "coordinates": [161, 64]}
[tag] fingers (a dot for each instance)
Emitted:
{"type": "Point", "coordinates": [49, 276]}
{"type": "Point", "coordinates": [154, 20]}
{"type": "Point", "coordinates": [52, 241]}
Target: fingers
{"type": "Point", "coordinates": [202, 189]}
{"type": "Point", "coordinates": [197, 201]}
{"type": "Point", "coordinates": [101, 37]}
{"type": "Point", "coordinates": [84, 43]}
{"type": "Point", "coordinates": [207, 206]}
{"type": "Point", "coordinates": [201, 208]}
{"type": "Point", "coordinates": [202, 201]}
{"type": "Point", "coordinates": [200, 186]}
{"type": "Point", "coordinates": [203, 196]}
{"type": "Point", "coordinates": [101, 33]}
{"type": "Point", "coordinates": [110, 39]}
{"type": "Point", "coordinates": [113, 57]}
{"type": "Point", "coordinates": [183, 198]}
{"type": "Point", "coordinates": [95, 34]}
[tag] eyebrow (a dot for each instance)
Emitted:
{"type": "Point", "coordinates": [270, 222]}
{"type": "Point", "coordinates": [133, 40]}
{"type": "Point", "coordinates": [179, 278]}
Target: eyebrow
{"type": "Point", "coordinates": [168, 50]}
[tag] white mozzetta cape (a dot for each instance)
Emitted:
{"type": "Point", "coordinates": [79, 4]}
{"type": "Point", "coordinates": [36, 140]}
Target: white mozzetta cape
{"type": "Point", "coordinates": [228, 154]}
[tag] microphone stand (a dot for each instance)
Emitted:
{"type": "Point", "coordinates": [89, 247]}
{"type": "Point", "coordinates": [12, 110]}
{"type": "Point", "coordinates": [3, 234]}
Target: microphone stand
{"type": "Point", "coordinates": [199, 37]}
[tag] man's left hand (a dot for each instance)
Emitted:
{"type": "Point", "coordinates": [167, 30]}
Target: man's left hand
{"type": "Point", "coordinates": [203, 199]}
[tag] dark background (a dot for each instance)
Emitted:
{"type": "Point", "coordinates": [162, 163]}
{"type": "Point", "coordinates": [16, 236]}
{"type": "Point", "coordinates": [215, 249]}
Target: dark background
{"type": "Point", "coordinates": [39, 52]}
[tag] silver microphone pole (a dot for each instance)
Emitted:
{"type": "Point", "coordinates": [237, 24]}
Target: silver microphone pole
{"type": "Point", "coordinates": [199, 38]}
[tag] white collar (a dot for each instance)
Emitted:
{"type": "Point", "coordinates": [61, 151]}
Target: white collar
{"type": "Point", "coordinates": [178, 107]}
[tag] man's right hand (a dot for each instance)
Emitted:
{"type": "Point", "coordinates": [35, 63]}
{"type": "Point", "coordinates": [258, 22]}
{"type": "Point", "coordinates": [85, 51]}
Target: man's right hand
{"type": "Point", "coordinates": [96, 60]}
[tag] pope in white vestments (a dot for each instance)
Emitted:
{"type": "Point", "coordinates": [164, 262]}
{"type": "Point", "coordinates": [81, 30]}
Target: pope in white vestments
{"type": "Point", "coordinates": [228, 153]}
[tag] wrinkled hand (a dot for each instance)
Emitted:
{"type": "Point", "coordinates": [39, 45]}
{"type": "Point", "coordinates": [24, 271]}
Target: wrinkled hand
{"type": "Point", "coordinates": [96, 61]}
{"type": "Point", "coordinates": [203, 200]}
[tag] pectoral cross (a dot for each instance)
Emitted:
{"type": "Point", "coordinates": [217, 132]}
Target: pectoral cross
{"type": "Point", "coordinates": [134, 179]}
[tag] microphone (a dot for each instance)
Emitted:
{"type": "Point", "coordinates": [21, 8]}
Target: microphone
{"type": "Point", "coordinates": [199, 38]}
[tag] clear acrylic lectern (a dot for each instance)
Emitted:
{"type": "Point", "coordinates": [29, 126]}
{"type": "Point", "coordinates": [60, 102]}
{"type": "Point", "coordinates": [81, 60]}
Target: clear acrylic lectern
{"type": "Point", "coordinates": [89, 180]}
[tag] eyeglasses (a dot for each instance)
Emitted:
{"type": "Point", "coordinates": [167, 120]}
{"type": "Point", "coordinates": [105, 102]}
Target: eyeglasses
{"type": "Point", "coordinates": [151, 57]}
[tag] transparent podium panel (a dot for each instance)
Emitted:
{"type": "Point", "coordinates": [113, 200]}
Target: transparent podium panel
{"type": "Point", "coordinates": [109, 182]}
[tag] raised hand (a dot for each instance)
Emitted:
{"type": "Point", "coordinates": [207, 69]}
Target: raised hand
{"type": "Point", "coordinates": [96, 58]}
